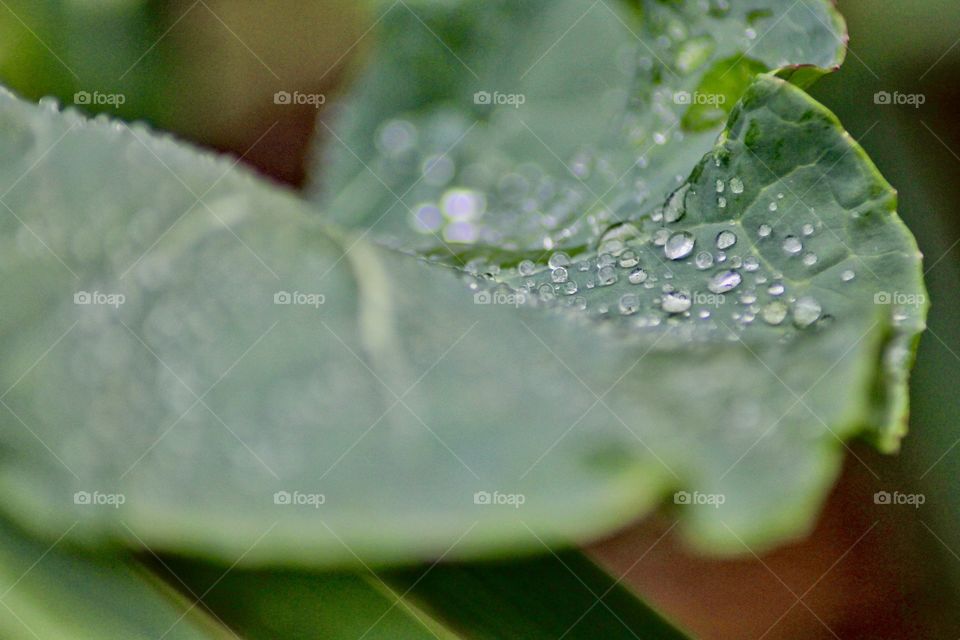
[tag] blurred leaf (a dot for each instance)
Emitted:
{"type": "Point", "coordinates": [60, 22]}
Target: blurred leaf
{"type": "Point", "coordinates": [567, 116]}
{"type": "Point", "coordinates": [543, 598]}
{"type": "Point", "coordinates": [51, 592]}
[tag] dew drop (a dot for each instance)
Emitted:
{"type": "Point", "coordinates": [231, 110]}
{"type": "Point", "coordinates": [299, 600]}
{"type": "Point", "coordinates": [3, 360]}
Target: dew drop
{"type": "Point", "coordinates": [606, 276]}
{"type": "Point", "coordinates": [792, 245]}
{"type": "Point", "coordinates": [679, 245]}
{"type": "Point", "coordinates": [704, 260]}
{"type": "Point", "coordinates": [526, 268]}
{"type": "Point", "coordinates": [629, 259]}
{"type": "Point", "coordinates": [559, 275]}
{"type": "Point", "coordinates": [726, 239]}
{"type": "Point", "coordinates": [558, 259]}
{"type": "Point", "coordinates": [637, 276]}
{"type": "Point", "coordinates": [660, 237]}
{"type": "Point", "coordinates": [570, 287]}
{"type": "Point", "coordinates": [847, 275]}
{"type": "Point", "coordinates": [629, 304]}
{"type": "Point", "coordinates": [751, 263]}
{"type": "Point", "coordinates": [736, 185]}
{"type": "Point", "coordinates": [806, 311]}
{"type": "Point", "coordinates": [774, 313]}
{"type": "Point", "coordinates": [807, 229]}
{"type": "Point", "coordinates": [676, 302]}
{"type": "Point", "coordinates": [724, 281]}
{"type": "Point", "coordinates": [776, 289]}
{"type": "Point", "coordinates": [764, 230]}
{"type": "Point", "coordinates": [810, 259]}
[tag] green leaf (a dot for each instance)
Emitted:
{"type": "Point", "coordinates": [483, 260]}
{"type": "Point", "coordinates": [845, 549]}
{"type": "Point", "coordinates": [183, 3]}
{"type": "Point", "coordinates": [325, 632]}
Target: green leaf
{"type": "Point", "coordinates": [52, 592]}
{"type": "Point", "coordinates": [400, 418]}
{"type": "Point", "coordinates": [605, 109]}
{"type": "Point", "coordinates": [549, 597]}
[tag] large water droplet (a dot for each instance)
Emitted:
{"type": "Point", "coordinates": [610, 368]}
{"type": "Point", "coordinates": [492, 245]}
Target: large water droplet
{"type": "Point", "coordinates": [792, 245]}
{"type": "Point", "coordinates": [637, 276]}
{"type": "Point", "coordinates": [736, 185]}
{"type": "Point", "coordinates": [559, 259]}
{"type": "Point", "coordinates": [676, 302]}
{"type": "Point", "coordinates": [629, 303]}
{"type": "Point", "coordinates": [726, 239]}
{"type": "Point", "coordinates": [559, 274]}
{"type": "Point", "coordinates": [679, 246]}
{"type": "Point", "coordinates": [606, 276]}
{"type": "Point", "coordinates": [704, 260]}
{"type": "Point", "coordinates": [526, 268]}
{"type": "Point", "coordinates": [774, 313]}
{"type": "Point", "coordinates": [724, 281]}
{"type": "Point", "coordinates": [806, 311]}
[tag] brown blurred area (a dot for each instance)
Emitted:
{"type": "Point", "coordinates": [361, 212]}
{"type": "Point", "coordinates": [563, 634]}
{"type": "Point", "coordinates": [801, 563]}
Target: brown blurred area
{"type": "Point", "coordinates": [859, 574]}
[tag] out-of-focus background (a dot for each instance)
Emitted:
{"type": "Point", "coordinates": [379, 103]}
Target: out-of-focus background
{"type": "Point", "coordinates": [209, 70]}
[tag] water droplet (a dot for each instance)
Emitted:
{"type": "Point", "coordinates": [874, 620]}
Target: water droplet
{"type": "Point", "coordinates": [807, 229]}
{"type": "Point", "coordinates": [774, 313]}
{"type": "Point", "coordinates": [427, 218]}
{"type": "Point", "coordinates": [463, 204]}
{"type": "Point", "coordinates": [724, 281]}
{"type": "Point", "coordinates": [676, 302]}
{"type": "Point", "coordinates": [847, 275]}
{"type": "Point", "coordinates": [776, 289]}
{"type": "Point", "coordinates": [726, 239]}
{"type": "Point", "coordinates": [660, 237]}
{"type": "Point", "coordinates": [722, 202]}
{"type": "Point", "coordinates": [704, 260]}
{"type": "Point", "coordinates": [736, 185]}
{"type": "Point", "coordinates": [605, 260]}
{"type": "Point", "coordinates": [559, 275]}
{"type": "Point", "coordinates": [751, 263]}
{"type": "Point", "coordinates": [792, 245]}
{"type": "Point", "coordinates": [748, 297]}
{"type": "Point", "coordinates": [526, 268]}
{"type": "Point", "coordinates": [764, 230]}
{"type": "Point", "coordinates": [772, 206]}
{"type": "Point", "coordinates": [720, 186]}
{"type": "Point", "coordinates": [637, 276]}
{"type": "Point", "coordinates": [679, 246]}
{"type": "Point", "coordinates": [806, 311]}
{"type": "Point", "coordinates": [676, 207]}
{"type": "Point", "coordinates": [629, 259]}
{"type": "Point", "coordinates": [570, 287]}
{"type": "Point", "coordinates": [546, 292]}
{"type": "Point", "coordinates": [606, 276]}
{"type": "Point", "coordinates": [629, 303]}
{"type": "Point", "coordinates": [558, 259]}
{"type": "Point", "coordinates": [810, 259]}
